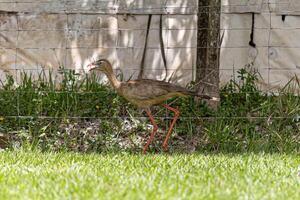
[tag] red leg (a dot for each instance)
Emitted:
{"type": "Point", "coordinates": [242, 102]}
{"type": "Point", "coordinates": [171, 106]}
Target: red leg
{"type": "Point", "coordinates": [153, 132]}
{"type": "Point", "coordinates": [165, 144]}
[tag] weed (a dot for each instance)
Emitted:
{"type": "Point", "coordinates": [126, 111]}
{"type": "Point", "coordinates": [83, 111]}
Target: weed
{"type": "Point", "coordinates": [58, 111]}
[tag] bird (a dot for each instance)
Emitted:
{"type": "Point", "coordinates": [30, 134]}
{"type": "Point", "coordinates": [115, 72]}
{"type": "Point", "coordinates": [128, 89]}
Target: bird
{"type": "Point", "coordinates": [145, 93]}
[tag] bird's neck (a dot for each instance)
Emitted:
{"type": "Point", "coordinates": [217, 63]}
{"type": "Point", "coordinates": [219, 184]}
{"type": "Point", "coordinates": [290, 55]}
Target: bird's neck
{"type": "Point", "coordinates": [113, 80]}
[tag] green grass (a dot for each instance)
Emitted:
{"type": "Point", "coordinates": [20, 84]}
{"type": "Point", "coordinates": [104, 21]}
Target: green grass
{"type": "Point", "coordinates": [35, 175]}
{"type": "Point", "coordinates": [66, 111]}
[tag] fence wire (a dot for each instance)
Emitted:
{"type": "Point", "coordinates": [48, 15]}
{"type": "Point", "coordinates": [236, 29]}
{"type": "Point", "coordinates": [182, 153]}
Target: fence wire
{"type": "Point", "coordinates": [16, 11]}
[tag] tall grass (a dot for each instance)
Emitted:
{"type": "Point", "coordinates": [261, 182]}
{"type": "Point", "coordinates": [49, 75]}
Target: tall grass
{"type": "Point", "coordinates": [70, 112]}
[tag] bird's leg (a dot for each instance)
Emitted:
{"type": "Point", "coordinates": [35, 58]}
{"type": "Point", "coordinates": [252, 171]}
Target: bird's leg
{"type": "Point", "coordinates": [155, 127]}
{"type": "Point", "coordinates": [165, 144]}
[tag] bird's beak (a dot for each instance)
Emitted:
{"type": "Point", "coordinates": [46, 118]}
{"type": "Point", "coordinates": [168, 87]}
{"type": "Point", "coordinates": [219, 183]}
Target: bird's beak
{"type": "Point", "coordinates": [91, 66]}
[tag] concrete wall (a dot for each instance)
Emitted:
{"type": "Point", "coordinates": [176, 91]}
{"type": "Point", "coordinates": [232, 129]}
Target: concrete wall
{"type": "Point", "coordinates": [36, 34]}
{"type": "Point", "coordinates": [47, 34]}
{"type": "Point", "coordinates": [277, 53]}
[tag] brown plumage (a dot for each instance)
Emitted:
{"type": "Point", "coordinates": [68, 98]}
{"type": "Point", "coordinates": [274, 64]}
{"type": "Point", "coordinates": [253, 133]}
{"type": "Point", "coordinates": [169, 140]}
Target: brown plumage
{"type": "Point", "coordinates": [145, 93]}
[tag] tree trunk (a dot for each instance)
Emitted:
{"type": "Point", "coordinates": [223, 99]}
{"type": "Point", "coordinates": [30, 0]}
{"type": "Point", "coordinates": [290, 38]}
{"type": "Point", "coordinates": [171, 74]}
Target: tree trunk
{"type": "Point", "coordinates": [208, 51]}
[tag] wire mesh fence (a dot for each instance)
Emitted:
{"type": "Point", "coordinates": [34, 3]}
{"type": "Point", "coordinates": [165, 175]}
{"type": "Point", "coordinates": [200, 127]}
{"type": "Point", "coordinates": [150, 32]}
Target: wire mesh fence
{"type": "Point", "coordinates": [33, 41]}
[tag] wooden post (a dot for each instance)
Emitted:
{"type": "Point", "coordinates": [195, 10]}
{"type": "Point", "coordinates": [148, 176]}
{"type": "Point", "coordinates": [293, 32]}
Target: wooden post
{"type": "Point", "coordinates": [208, 51]}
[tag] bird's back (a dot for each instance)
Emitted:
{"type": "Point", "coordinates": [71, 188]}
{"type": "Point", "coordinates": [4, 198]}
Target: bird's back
{"type": "Point", "coordinates": [146, 92]}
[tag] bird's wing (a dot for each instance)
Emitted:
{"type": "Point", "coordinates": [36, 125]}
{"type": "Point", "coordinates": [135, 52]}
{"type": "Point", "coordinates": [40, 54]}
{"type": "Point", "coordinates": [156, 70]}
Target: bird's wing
{"type": "Point", "coordinates": [148, 89]}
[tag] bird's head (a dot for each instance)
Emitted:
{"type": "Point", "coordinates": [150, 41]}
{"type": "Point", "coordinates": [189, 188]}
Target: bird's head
{"type": "Point", "coordinates": [102, 65]}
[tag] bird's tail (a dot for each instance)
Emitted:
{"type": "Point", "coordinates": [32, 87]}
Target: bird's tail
{"type": "Point", "coordinates": [203, 96]}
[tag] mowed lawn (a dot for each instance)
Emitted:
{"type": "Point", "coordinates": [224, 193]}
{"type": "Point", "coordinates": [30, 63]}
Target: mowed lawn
{"type": "Point", "coordinates": [35, 175]}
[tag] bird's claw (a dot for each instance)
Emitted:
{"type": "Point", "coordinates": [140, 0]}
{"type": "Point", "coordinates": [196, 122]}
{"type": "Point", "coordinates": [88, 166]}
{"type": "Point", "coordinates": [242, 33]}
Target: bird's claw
{"type": "Point", "coordinates": [165, 147]}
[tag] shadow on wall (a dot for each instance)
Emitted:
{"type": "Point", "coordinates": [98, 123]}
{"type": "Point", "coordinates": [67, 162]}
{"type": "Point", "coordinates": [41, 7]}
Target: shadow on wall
{"type": "Point", "coordinates": [45, 37]}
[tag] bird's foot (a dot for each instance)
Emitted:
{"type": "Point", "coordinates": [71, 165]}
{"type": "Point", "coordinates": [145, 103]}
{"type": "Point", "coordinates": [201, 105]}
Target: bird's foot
{"type": "Point", "coordinates": [144, 151]}
{"type": "Point", "coordinates": [165, 147]}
